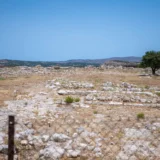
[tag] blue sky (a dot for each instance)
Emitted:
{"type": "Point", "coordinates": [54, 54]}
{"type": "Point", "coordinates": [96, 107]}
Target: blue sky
{"type": "Point", "coordinates": [52, 30]}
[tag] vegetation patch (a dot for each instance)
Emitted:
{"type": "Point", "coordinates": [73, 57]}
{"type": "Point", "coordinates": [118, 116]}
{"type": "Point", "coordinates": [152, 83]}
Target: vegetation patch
{"type": "Point", "coordinates": [140, 116]}
{"type": "Point", "coordinates": [95, 112]}
{"type": "Point", "coordinates": [1, 78]}
{"type": "Point", "coordinates": [77, 99]}
{"type": "Point", "coordinates": [69, 99]}
{"type": "Point", "coordinates": [158, 94]}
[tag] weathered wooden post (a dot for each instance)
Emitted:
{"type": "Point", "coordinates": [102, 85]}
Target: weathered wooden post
{"type": "Point", "coordinates": [11, 137]}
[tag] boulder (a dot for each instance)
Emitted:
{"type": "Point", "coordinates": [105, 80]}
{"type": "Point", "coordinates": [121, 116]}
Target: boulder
{"type": "Point", "coordinates": [24, 142]}
{"type": "Point", "coordinates": [73, 153]}
{"type": "Point", "coordinates": [51, 152]}
{"type": "Point", "coordinates": [62, 92]}
{"type": "Point", "coordinates": [59, 137]}
{"type": "Point", "coordinates": [45, 138]}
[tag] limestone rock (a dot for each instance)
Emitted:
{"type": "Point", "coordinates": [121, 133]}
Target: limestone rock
{"type": "Point", "coordinates": [45, 138]}
{"type": "Point", "coordinates": [24, 142]}
{"type": "Point", "coordinates": [62, 92]}
{"type": "Point", "coordinates": [73, 153]}
{"type": "Point", "coordinates": [59, 137]}
{"type": "Point", "coordinates": [52, 152]}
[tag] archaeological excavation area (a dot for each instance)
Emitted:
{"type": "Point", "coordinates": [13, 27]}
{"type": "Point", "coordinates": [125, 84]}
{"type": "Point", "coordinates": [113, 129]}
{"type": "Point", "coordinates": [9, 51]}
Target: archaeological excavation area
{"type": "Point", "coordinates": [80, 113]}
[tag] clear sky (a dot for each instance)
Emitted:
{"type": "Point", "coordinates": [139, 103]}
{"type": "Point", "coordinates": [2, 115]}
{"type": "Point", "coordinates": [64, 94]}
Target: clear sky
{"type": "Point", "coordinates": [52, 30]}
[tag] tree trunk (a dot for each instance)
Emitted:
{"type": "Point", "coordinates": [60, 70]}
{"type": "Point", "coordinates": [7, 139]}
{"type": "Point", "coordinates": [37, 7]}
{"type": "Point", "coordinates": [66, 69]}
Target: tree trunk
{"type": "Point", "coordinates": [153, 71]}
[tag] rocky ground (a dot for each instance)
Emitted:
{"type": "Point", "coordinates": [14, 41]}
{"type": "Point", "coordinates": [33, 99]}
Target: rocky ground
{"type": "Point", "coordinates": [115, 113]}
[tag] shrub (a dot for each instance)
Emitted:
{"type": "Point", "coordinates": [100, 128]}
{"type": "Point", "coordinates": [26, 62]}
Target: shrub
{"type": "Point", "coordinates": [57, 67]}
{"type": "Point", "coordinates": [158, 94]}
{"type": "Point", "coordinates": [95, 112]}
{"type": "Point", "coordinates": [77, 99]}
{"type": "Point", "coordinates": [69, 99]}
{"type": "Point", "coordinates": [140, 116]}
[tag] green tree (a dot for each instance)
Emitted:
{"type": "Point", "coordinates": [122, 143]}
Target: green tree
{"type": "Point", "coordinates": [151, 59]}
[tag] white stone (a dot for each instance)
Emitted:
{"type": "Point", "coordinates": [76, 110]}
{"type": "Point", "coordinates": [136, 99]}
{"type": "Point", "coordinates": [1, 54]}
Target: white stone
{"type": "Point", "coordinates": [24, 142]}
{"type": "Point", "coordinates": [115, 103]}
{"type": "Point", "coordinates": [84, 105]}
{"type": "Point", "coordinates": [108, 88]}
{"type": "Point", "coordinates": [89, 97]}
{"type": "Point", "coordinates": [74, 135]}
{"type": "Point", "coordinates": [137, 133]}
{"type": "Point", "coordinates": [97, 149]}
{"type": "Point", "coordinates": [68, 145]}
{"type": "Point", "coordinates": [122, 156]}
{"type": "Point", "coordinates": [59, 137]}
{"type": "Point", "coordinates": [62, 92]}
{"type": "Point", "coordinates": [143, 100]}
{"type": "Point", "coordinates": [73, 153]}
{"type": "Point", "coordinates": [45, 138]}
{"type": "Point", "coordinates": [53, 152]}
{"type": "Point", "coordinates": [82, 146]}
{"type": "Point", "coordinates": [80, 130]}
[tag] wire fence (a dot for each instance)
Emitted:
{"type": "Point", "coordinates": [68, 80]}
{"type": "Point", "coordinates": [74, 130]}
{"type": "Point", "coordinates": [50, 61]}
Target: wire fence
{"type": "Point", "coordinates": [102, 138]}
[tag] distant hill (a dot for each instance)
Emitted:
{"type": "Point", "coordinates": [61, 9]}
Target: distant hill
{"type": "Point", "coordinates": [74, 62]}
{"type": "Point", "coordinates": [117, 63]}
{"type": "Point", "coordinates": [101, 61]}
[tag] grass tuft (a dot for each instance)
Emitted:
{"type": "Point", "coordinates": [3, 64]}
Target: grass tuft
{"type": "Point", "coordinates": [77, 99]}
{"type": "Point", "coordinates": [140, 116]}
{"type": "Point", "coordinates": [158, 94]}
{"type": "Point", "coordinates": [69, 99]}
{"type": "Point", "coordinates": [95, 112]}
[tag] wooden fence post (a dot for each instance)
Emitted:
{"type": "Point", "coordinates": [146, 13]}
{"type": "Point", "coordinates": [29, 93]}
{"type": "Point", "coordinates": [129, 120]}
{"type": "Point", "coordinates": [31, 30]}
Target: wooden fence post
{"type": "Point", "coordinates": [11, 130]}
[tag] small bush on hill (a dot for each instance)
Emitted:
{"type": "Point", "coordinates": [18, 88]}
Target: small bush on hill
{"type": "Point", "coordinates": [77, 99]}
{"type": "Point", "coordinates": [140, 116]}
{"type": "Point", "coordinates": [95, 112]}
{"type": "Point", "coordinates": [69, 99]}
{"type": "Point", "coordinates": [158, 94]}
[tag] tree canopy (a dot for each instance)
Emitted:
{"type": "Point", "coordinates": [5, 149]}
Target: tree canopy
{"type": "Point", "coordinates": [151, 59]}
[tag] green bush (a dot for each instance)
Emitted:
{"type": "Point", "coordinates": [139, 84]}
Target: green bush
{"type": "Point", "coordinates": [69, 99]}
{"type": "Point", "coordinates": [140, 116]}
{"type": "Point", "coordinates": [77, 99]}
{"type": "Point", "coordinates": [95, 112]}
{"type": "Point", "coordinates": [158, 94]}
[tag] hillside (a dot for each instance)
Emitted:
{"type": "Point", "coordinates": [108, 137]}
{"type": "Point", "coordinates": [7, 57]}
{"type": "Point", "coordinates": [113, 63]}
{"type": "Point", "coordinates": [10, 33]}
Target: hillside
{"type": "Point", "coordinates": [74, 62]}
